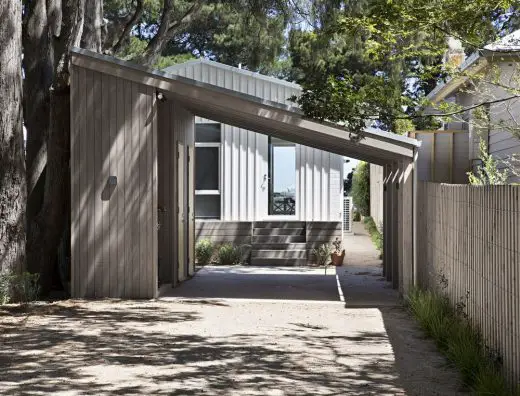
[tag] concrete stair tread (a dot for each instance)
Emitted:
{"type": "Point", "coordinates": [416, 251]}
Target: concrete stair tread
{"type": "Point", "coordinates": [279, 231]}
{"type": "Point", "coordinates": [282, 254]}
{"type": "Point", "coordinates": [278, 239]}
{"type": "Point", "coordinates": [280, 246]}
{"type": "Point", "coordinates": [260, 261]}
{"type": "Point", "coordinates": [279, 224]}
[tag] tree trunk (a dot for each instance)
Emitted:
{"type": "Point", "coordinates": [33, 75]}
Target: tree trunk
{"type": "Point", "coordinates": [38, 68]}
{"type": "Point", "coordinates": [167, 29]}
{"type": "Point", "coordinates": [93, 26]}
{"type": "Point", "coordinates": [12, 164]}
{"type": "Point", "coordinates": [48, 226]}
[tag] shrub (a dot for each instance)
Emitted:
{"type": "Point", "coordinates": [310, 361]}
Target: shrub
{"type": "Point", "coordinates": [204, 251]}
{"type": "Point", "coordinates": [376, 233]}
{"type": "Point", "coordinates": [361, 188]}
{"type": "Point", "coordinates": [322, 254]}
{"type": "Point", "coordinates": [456, 338]}
{"type": "Point", "coordinates": [356, 216]}
{"type": "Point", "coordinates": [229, 254]}
{"type": "Point", "coordinates": [21, 288]}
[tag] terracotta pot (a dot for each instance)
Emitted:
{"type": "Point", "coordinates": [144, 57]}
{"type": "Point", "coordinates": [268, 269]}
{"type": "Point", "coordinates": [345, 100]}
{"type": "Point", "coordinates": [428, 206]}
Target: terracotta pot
{"type": "Point", "coordinates": [337, 259]}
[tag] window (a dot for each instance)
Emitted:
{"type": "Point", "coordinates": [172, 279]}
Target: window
{"type": "Point", "coordinates": [207, 171]}
{"type": "Point", "coordinates": [282, 177]}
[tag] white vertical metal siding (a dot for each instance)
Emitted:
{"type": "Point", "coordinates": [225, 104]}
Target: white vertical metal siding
{"type": "Point", "coordinates": [319, 180]}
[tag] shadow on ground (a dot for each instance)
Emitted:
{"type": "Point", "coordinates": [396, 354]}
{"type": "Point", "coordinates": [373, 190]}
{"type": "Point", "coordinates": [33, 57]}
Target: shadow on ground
{"type": "Point", "coordinates": [130, 348]}
{"type": "Point", "coordinates": [297, 283]}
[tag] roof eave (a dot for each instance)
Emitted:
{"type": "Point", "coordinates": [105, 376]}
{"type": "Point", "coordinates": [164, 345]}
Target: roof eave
{"type": "Point", "coordinates": [252, 113]}
{"type": "Point", "coordinates": [474, 64]}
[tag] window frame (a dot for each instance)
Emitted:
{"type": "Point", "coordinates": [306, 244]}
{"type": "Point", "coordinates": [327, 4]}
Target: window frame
{"type": "Point", "coordinates": [218, 146]}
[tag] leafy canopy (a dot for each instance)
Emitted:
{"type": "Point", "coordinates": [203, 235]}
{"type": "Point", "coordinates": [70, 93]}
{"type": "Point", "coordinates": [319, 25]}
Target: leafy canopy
{"type": "Point", "coordinates": [373, 61]}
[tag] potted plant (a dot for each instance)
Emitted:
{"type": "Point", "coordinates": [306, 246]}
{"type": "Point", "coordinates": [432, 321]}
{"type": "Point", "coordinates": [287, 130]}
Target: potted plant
{"type": "Point", "coordinates": [338, 254]}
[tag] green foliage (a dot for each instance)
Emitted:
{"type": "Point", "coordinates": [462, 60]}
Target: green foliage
{"type": "Point", "coordinates": [361, 188]}
{"type": "Point", "coordinates": [347, 184]}
{"type": "Point", "coordinates": [376, 233]}
{"type": "Point", "coordinates": [322, 254]}
{"type": "Point", "coordinates": [488, 173]}
{"type": "Point", "coordinates": [356, 216]}
{"type": "Point", "coordinates": [204, 251]}
{"type": "Point", "coordinates": [166, 61]}
{"type": "Point", "coordinates": [337, 244]}
{"type": "Point", "coordinates": [21, 288]}
{"type": "Point", "coordinates": [374, 61]}
{"type": "Point", "coordinates": [461, 344]}
{"type": "Point", "coordinates": [229, 254]}
{"type": "Point", "coordinates": [234, 32]}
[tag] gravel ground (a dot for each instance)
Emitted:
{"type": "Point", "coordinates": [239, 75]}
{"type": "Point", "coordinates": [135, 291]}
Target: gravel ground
{"type": "Point", "coordinates": [259, 344]}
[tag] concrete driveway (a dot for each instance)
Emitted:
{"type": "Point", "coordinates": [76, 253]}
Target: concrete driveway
{"type": "Point", "coordinates": [237, 282]}
{"type": "Point", "coordinates": [228, 332]}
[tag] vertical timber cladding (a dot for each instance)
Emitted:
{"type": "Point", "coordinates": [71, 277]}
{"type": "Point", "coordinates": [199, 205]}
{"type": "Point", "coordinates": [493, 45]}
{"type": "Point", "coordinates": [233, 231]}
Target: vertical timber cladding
{"type": "Point", "coordinates": [113, 187]}
{"type": "Point", "coordinates": [176, 173]}
{"type": "Point", "coordinates": [191, 208]}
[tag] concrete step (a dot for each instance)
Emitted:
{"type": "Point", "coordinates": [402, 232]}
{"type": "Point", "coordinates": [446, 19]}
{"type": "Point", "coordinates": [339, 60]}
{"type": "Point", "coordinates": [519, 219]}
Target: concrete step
{"type": "Point", "coordinates": [279, 224]}
{"type": "Point", "coordinates": [277, 262]}
{"type": "Point", "coordinates": [279, 231]}
{"type": "Point", "coordinates": [280, 246]}
{"type": "Point", "coordinates": [258, 239]}
{"type": "Point", "coordinates": [274, 254]}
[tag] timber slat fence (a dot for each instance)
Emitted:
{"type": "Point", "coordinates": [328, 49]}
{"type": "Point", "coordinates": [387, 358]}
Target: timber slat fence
{"type": "Point", "coordinates": [470, 237]}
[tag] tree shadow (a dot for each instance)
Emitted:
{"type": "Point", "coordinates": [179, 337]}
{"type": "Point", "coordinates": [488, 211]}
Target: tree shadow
{"type": "Point", "coordinates": [137, 348]}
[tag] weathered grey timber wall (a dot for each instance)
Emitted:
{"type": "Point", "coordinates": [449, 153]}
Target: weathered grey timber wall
{"type": "Point", "coordinates": [376, 193]}
{"type": "Point", "coordinates": [471, 236]}
{"type": "Point", "coordinates": [113, 223]}
{"type": "Point", "coordinates": [443, 155]}
{"type": "Point", "coordinates": [175, 193]}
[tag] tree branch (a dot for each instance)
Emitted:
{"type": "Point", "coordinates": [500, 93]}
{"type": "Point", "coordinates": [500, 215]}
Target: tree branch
{"type": "Point", "coordinates": [167, 30]}
{"type": "Point", "coordinates": [187, 17]}
{"type": "Point", "coordinates": [128, 26]}
{"type": "Point", "coordinates": [463, 110]}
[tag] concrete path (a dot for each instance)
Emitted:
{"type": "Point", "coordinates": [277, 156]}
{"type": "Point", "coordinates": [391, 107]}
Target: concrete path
{"type": "Point", "coordinates": [287, 283]}
{"type": "Point", "coordinates": [287, 333]}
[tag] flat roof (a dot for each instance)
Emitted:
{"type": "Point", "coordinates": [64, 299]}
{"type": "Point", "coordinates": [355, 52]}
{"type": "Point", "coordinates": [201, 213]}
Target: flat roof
{"type": "Point", "coordinates": [253, 113]}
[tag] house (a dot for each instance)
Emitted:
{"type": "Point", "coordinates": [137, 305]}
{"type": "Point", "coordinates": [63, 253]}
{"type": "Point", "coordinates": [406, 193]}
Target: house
{"type": "Point", "coordinates": [448, 154]}
{"type": "Point", "coordinates": [132, 147]}
{"type": "Point", "coordinates": [280, 197]}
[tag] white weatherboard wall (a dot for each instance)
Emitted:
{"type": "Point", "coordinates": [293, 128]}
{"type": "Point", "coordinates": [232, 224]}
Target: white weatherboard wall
{"type": "Point", "coordinates": [501, 143]}
{"type": "Point", "coordinates": [244, 154]}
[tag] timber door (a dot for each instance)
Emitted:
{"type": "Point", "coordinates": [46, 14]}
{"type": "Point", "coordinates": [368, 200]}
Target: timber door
{"type": "Point", "coordinates": [191, 211]}
{"type": "Point", "coordinates": [181, 212]}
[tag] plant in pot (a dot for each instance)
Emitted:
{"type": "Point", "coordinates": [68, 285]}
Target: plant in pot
{"type": "Point", "coordinates": [338, 254]}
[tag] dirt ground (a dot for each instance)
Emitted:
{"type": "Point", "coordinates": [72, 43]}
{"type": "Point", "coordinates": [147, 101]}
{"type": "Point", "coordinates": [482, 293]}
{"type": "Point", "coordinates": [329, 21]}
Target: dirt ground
{"type": "Point", "coordinates": [220, 345]}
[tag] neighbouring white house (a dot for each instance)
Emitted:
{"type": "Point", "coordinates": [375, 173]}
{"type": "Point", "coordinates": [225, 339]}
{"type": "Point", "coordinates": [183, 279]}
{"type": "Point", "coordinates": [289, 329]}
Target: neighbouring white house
{"type": "Point", "coordinates": [251, 188]}
{"type": "Point", "coordinates": [448, 154]}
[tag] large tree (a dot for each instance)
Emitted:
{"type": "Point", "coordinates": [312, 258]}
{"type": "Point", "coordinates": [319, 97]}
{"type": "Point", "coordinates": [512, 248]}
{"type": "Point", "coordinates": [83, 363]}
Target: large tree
{"type": "Point", "coordinates": [373, 61]}
{"type": "Point", "coordinates": [12, 166]}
